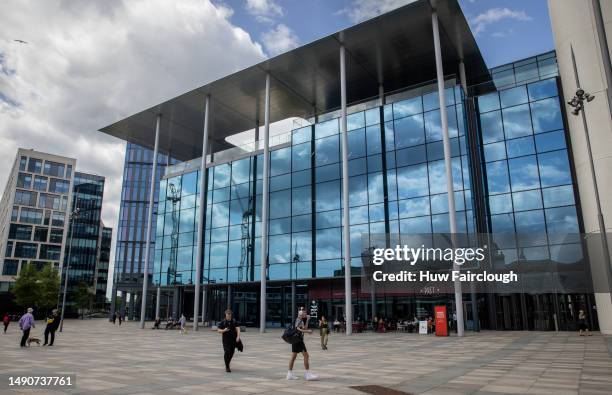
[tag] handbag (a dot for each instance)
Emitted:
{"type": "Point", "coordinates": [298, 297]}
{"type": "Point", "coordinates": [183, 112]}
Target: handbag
{"type": "Point", "coordinates": [292, 335]}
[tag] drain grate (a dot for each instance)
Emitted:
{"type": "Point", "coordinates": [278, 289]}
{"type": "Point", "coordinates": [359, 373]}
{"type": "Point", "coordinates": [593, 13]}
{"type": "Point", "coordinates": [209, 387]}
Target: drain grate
{"type": "Point", "coordinates": [378, 390]}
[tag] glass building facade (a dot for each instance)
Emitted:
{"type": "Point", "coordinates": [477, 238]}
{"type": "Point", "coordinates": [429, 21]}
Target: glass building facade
{"type": "Point", "coordinates": [514, 166]}
{"type": "Point", "coordinates": [106, 237]}
{"type": "Point", "coordinates": [131, 233]}
{"type": "Point", "coordinates": [84, 236]}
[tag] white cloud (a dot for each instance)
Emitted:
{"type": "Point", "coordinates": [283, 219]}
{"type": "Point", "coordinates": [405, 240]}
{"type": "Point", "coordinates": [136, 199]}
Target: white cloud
{"type": "Point", "coordinates": [480, 22]}
{"type": "Point", "coordinates": [361, 10]}
{"type": "Point", "coordinates": [264, 10]}
{"type": "Point", "coordinates": [279, 40]}
{"type": "Point", "coordinates": [88, 64]}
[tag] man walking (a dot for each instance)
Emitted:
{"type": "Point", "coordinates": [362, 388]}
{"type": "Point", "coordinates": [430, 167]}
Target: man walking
{"type": "Point", "coordinates": [26, 322]}
{"type": "Point", "coordinates": [53, 322]}
{"type": "Point", "coordinates": [301, 324]}
{"type": "Point", "coordinates": [230, 332]}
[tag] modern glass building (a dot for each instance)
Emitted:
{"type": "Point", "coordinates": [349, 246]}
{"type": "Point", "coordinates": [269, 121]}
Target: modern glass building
{"type": "Point", "coordinates": [84, 238]}
{"type": "Point", "coordinates": [106, 238]}
{"type": "Point", "coordinates": [129, 255]}
{"type": "Point", "coordinates": [509, 156]}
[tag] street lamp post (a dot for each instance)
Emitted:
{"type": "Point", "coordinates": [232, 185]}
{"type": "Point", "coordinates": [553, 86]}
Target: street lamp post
{"type": "Point", "coordinates": [73, 215]}
{"type": "Point", "coordinates": [577, 103]}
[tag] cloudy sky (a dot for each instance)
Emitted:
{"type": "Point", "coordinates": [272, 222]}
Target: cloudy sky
{"type": "Point", "coordinates": [85, 64]}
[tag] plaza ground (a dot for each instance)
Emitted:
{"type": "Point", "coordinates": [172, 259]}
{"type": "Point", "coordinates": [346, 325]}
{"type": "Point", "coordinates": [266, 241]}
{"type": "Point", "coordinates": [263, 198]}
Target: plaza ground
{"type": "Point", "coordinates": [113, 359]}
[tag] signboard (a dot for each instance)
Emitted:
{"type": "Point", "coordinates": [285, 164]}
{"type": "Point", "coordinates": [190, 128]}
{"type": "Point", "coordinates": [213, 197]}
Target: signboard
{"type": "Point", "coordinates": [441, 321]}
{"type": "Point", "coordinates": [314, 309]}
{"type": "Point", "coordinates": [422, 327]}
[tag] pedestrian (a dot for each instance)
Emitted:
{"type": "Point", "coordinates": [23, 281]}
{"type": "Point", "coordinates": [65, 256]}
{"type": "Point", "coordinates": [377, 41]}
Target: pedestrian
{"type": "Point", "coordinates": [53, 322]}
{"type": "Point", "coordinates": [6, 321]}
{"type": "Point", "coordinates": [114, 318]}
{"type": "Point", "coordinates": [120, 318]}
{"type": "Point", "coordinates": [324, 331]}
{"type": "Point", "coordinates": [301, 324]}
{"type": "Point", "coordinates": [230, 337]}
{"type": "Point", "coordinates": [582, 323]}
{"type": "Point", "coordinates": [182, 322]}
{"type": "Point", "coordinates": [157, 323]}
{"type": "Point", "coordinates": [26, 322]}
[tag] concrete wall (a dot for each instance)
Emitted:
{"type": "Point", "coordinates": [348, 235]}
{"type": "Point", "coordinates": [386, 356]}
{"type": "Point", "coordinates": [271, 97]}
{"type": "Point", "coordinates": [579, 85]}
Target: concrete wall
{"type": "Point", "coordinates": [574, 27]}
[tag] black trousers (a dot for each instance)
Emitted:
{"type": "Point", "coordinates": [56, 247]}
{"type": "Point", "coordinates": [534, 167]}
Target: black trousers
{"type": "Point", "coordinates": [24, 338]}
{"type": "Point", "coordinates": [228, 353]}
{"type": "Point", "coordinates": [47, 332]}
{"type": "Point", "coordinates": [6, 324]}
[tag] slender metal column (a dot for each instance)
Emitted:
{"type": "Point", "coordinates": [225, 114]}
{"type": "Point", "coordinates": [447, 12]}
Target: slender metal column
{"type": "Point", "coordinates": [201, 217]}
{"type": "Point", "coordinates": [462, 78]}
{"type": "Point", "coordinates": [230, 300]}
{"type": "Point", "coordinates": [157, 301]}
{"type": "Point", "coordinates": [293, 301]}
{"type": "Point", "coordinates": [447, 164]}
{"type": "Point", "coordinates": [145, 271]}
{"type": "Point", "coordinates": [113, 303]}
{"type": "Point", "coordinates": [204, 303]}
{"type": "Point", "coordinates": [345, 199]}
{"type": "Point", "coordinates": [264, 208]}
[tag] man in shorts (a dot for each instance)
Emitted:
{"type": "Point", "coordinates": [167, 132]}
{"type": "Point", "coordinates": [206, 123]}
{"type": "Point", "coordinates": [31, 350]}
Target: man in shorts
{"type": "Point", "coordinates": [301, 324]}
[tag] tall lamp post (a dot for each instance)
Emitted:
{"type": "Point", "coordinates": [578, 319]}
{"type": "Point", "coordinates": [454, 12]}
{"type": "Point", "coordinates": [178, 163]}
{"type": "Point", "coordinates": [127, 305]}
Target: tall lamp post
{"type": "Point", "coordinates": [73, 215]}
{"type": "Point", "coordinates": [577, 103]}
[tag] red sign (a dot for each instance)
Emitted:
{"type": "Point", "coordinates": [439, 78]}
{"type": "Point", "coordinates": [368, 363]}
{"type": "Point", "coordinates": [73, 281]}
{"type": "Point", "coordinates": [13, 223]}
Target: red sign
{"type": "Point", "coordinates": [441, 321]}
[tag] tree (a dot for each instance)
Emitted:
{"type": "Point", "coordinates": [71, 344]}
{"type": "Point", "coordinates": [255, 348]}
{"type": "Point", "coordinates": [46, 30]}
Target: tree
{"type": "Point", "coordinates": [82, 297]}
{"type": "Point", "coordinates": [49, 285]}
{"type": "Point", "coordinates": [26, 288]}
{"type": "Point", "coordinates": [36, 288]}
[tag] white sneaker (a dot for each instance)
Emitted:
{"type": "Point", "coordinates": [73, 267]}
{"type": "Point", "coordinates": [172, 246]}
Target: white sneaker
{"type": "Point", "coordinates": [291, 376]}
{"type": "Point", "coordinates": [310, 376]}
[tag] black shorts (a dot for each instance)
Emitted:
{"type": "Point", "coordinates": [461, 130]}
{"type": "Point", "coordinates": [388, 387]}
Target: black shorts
{"type": "Point", "coordinates": [298, 347]}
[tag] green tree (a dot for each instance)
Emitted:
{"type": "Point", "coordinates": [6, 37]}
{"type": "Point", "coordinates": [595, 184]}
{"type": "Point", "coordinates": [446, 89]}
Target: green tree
{"type": "Point", "coordinates": [26, 287]}
{"type": "Point", "coordinates": [82, 297]}
{"type": "Point", "coordinates": [49, 285]}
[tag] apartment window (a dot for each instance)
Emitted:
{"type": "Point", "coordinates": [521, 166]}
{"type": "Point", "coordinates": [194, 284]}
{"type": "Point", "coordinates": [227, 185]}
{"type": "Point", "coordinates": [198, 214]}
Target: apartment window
{"type": "Point", "coordinates": [58, 186]}
{"type": "Point", "coordinates": [10, 267]}
{"type": "Point", "coordinates": [20, 232]}
{"type": "Point", "coordinates": [25, 198]}
{"type": "Point", "coordinates": [15, 213]}
{"type": "Point", "coordinates": [26, 250]}
{"type": "Point", "coordinates": [40, 233]}
{"type": "Point", "coordinates": [50, 252]}
{"type": "Point", "coordinates": [57, 219]}
{"type": "Point", "coordinates": [24, 180]}
{"type": "Point", "coordinates": [53, 169]}
{"type": "Point", "coordinates": [68, 171]}
{"type": "Point", "coordinates": [31, 216]}
{"type": "Point", "coordinates": [49, 201]}
{"type": "Point", "coordinates": [47, 220]}
{"type": "Point", "coordinates": [9, 249]}
{"type": "Point", "coordinates": [40, 183]}
{"type": "Point", "coordinates": [56, 235]}
{"type": "Point", "coordinates": [35, 165]}
{"type": "Point", "coordinates": [22, 163]}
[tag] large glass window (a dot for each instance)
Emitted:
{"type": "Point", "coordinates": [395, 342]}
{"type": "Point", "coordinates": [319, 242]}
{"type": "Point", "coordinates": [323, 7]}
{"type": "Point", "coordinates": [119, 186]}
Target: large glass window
{"type": "Point", "coordinates": [24, 180]}
{"type": "Point", "coordinates": [54, 169]}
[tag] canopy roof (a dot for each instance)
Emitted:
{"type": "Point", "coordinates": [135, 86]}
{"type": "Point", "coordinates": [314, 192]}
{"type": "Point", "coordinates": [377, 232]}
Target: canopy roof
{"type": "Point", "coordinates": [394, 50]}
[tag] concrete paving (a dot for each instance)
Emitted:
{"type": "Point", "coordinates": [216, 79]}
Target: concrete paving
{"type": "Point", "coordinates": [113, 359]}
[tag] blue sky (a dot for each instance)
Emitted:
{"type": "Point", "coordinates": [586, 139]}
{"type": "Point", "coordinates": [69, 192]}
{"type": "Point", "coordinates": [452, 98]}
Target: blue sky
{"type": "Point", "coordinates": [506, 30]}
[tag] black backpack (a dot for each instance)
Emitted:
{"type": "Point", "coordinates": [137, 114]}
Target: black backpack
{"type": "Point", "coordinates": [292, 335]}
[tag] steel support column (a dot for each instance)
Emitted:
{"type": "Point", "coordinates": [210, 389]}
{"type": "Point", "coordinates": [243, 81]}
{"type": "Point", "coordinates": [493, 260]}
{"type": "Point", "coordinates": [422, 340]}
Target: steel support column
{"type": "Point", "coordinates": [264, 208]}
{"type": "Point", "coordinates": [157, 302]}
{"type": "Point", "coordinates": [447, 164]}
{"type": "Point", "coordinates": [201, 217]}
{"type": "Point", "coordinates": [345, 198]}
{"type": "Point", "coordinates": [204, 303]}
{"type": "Point", "coordinates": [145, 271]}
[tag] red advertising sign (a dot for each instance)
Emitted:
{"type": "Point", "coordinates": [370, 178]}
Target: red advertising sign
{"type": "Point", "coordinates": [441, 321]}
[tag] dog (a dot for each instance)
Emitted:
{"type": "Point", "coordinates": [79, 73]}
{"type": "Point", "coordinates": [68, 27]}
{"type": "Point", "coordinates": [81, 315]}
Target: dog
{"type": "Point", "coordinates": [33, 340]}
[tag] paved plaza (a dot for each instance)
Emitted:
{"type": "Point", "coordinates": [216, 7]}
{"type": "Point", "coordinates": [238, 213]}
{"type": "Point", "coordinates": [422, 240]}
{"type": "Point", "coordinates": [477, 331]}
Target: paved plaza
{"type": "Point", "coordinates": [113, 359]}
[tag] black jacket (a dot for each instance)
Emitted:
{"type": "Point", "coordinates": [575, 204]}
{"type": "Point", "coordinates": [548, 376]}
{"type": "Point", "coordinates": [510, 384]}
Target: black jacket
{"type": "Point", "coordinates": [53, 322]}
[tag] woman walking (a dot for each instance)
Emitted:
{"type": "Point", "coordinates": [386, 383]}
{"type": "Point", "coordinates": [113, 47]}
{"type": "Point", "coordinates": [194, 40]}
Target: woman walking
{"type": "Point", "coordinates": [301, 324]}
{"type": "Point", "coordinates": [324, 331]}
{"type": "Point", "coordinates": [230, 337]}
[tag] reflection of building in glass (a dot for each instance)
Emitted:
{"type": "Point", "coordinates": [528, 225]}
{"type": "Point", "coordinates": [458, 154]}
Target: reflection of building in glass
{"type": "Point", "coordinates": [511, 172]}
